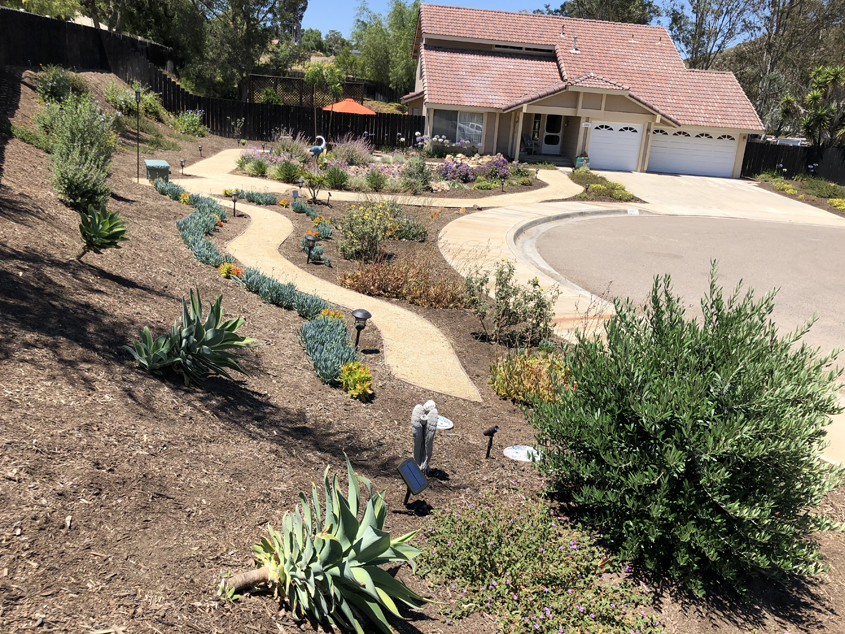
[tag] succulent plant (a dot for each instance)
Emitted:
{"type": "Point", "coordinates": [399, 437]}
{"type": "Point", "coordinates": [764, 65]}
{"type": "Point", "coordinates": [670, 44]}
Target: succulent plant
{"type": "Point", "coordinates": [200, 348]}
{"type": "Point", "coordinates": [152, 355]}
{"type": "Point", "coordinates": [329, 346]}
{"type": "Point", "coordinates": [309, 306]}
{"type": "Point", "coordinates": [326, 564]}
{"type": "Point", "coordinates": [253, 279]}
{"type": "Point", "coordinates": [101, 229]}
{"type": "Point", "coordinates": [278, 294]}
{"type": "Point", "coordinates": [324, 231]}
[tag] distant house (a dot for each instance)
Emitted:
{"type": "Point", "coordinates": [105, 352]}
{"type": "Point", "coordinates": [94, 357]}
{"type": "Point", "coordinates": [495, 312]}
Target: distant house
{"type": "Point", "coordinates": [516, 82]}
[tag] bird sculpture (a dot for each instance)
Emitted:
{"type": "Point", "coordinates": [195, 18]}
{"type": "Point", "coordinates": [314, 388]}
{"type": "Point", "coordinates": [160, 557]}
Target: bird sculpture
{"type": "Point", "coordinates": [424, 426]}
{"type": "Point", "coordinates": [318, 149]}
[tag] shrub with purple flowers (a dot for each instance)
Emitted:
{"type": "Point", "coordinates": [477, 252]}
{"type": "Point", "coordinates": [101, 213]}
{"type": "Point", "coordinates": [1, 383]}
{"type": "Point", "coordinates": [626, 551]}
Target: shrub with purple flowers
{"type": "Point", "coordinates": [352, 150]}
{"type": "Point", "coordinates": [530, 569]}
{"type": "Point", "coordinates": [456, 171]}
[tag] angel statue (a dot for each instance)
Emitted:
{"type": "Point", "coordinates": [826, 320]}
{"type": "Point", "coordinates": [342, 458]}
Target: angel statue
{"type": "Point", "coordinates": [424, 426]}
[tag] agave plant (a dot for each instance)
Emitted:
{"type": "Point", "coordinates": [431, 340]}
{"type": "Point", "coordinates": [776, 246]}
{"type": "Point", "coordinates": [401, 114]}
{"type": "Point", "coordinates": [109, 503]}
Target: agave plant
{"type": "Point", "coordinates": [151, 354]}
{"type": "Point", "coordinates": [331, 574]}
{"type": "Point", "coordinates": [200, 348]}
{"type": "Point", "coordinates": [101, 229]}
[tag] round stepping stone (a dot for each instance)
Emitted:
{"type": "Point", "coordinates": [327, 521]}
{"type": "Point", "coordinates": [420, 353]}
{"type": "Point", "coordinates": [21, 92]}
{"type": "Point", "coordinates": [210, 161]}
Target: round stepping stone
{"type": "Point", "coordinates": [444, 423]}
{"type": "Point", "coordinates": [523, 453]}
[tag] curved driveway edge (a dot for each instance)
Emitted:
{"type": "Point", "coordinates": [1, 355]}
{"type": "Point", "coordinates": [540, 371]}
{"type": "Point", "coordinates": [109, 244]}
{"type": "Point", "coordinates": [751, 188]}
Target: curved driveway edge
{"type": "Point", "coordinates": [414, 349]}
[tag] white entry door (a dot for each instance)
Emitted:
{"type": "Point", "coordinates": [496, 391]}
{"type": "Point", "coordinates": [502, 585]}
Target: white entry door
{"type": "Point", "coordinates": [552, 134]}
{"type": "Point", "coordinates": [692, 152]}
{"type": "Point", "coordinates": [615, 146]}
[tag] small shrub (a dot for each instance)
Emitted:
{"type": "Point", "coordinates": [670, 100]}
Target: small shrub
{"type": "Point", "coordinates": [101, 229]}
{"type": "Point", "coordinates": [823, 189]}
{"type": "Point", "coordinates": [253, 279]}
{"type": "Point", "coordinates": [285, 171]}
{"type": "Point", "coordinates": [327, 343]}
{"type": "Point", "coordinates": [352, 150]}
{"type": "Point", "coordinates": [417, 176]}
{"type": "Point", "coordinates": [375, 180]}
{"type": "Point", "coordinates": [519, 315]}
{"type": "Point", "coordinates": [268, 95]}
{"type": "Point", "coordinates": [299, 207]}
{"type": "Point", "coordinates": [336, 177]}
{"type": "Point", "coordinates": [530, 569]}
{"type": "Point", "coordinates": [54, 84]}
{"type": "Point", "coordinates": [785, 187]}
{"type": "Point", "coordinates": [190, 122]}
{"type": "Point", "coordinates": [357, 380]}
{"type": "Point", "coordinates": [80, 185]}
{"type": "Point", "coordinates": [278, 294]}
{"type": "Point", "coordinates": [585, 178]}
{"type": "Point", "coordinates": [484, 184]}
{"type": "Point", "coordinates": [526, 376]}
{"type": "Point", "coordinates": [694, 444]}
{"type": "Point", "coordinates": [324, 231]}
{"type": "Point", "coordinates": [293, 146]}
{"type": "Point", "coordinates": [364, 226]}
{"type": "Point", "coordinates": [229, 270]}
{"type": "Point", "coordinates": [838, 203]}
{"type": "Point", "coordinates": [260, 198]}
{"type": "Point", "coordinates": [256, 167]}
{"type": "Point", "coordinates": [309, 306]}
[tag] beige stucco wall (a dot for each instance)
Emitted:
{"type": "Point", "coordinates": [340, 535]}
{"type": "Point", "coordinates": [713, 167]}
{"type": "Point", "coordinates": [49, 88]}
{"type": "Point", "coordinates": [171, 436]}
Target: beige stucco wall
{"type": "Point", "coordinates": [569, 144]}
{"type": "Point", "coordinates": [591, 101]}
{"type": "Point", "coordinates": [618, 103]}
{"type": "Point", "coordinates": [564, 99]}
{"type": "Point", "coordinates": [415, 103]}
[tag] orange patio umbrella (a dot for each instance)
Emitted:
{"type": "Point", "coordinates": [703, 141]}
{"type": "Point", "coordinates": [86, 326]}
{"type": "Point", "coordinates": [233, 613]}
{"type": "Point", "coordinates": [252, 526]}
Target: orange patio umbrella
{"type": "Point", "coordinates": [349, 106]}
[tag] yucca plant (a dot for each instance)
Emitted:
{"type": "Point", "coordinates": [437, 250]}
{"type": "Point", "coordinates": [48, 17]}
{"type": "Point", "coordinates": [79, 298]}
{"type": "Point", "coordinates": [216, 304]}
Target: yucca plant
{"type": "Point", "coordinates": [327, 566]}
{"type": "Point", "coordinates": [101, 229]}
{"type": "Point", "coordinates": [200, 348]}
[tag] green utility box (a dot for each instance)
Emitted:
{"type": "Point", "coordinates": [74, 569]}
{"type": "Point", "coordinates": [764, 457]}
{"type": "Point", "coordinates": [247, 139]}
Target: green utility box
{"type": "Point", "coordinates": [156, 170]}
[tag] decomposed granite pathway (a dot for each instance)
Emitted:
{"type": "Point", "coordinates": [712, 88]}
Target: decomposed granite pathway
{"type": "Point", "coordinates": [214, 174]}
{"type": "Point", "coordinates": [414, 349]}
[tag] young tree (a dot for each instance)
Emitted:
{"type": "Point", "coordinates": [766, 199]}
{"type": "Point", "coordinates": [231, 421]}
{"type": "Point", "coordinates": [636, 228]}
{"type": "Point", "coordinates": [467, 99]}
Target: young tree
{"type": "Point", "coordinates": [702, 29]}
{"type": "Point", "coordinates": [385, 42]}
{"type": "Point", "coordinates": [326, 77]}
{"type": "Point", "coordinates": [631, 11]}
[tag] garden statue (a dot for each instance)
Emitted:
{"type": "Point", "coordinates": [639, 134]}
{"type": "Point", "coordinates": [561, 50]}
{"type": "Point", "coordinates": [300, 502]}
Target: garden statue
{"type": "Point", "coordinates": [318, 149]}
{"type": "Point", "coordinates": [424, 426]}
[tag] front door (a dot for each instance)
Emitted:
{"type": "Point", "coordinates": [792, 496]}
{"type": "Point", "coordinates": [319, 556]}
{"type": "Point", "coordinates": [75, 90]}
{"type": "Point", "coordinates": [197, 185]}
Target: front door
{"type": "Point", "coordinates": [552, 134]}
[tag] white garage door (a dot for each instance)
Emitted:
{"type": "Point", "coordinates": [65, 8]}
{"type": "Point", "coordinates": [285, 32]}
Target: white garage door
{"type": "Point", "coordinates": [615, 146]}
{"type": "Point", "coordinates": [691, 152]}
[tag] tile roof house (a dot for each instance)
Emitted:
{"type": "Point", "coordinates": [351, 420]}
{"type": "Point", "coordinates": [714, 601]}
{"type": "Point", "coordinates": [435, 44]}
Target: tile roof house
{"type": "Point", "coordinates": [619, 93]}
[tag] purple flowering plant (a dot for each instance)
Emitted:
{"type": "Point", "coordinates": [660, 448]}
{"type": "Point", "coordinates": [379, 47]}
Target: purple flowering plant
{"type": "Point", "coordinates": [500, 556]}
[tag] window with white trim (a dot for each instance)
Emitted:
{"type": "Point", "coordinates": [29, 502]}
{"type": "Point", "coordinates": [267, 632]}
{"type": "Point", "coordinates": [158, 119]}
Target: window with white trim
{"type": "Point", "coordinates": [457, 126]}
{"type": "Point", "coordinates": [703, 135]}
{"type": "Point", "coordinates": [680, 133]}
{"type": "Point", "coordinates": [726, 137]}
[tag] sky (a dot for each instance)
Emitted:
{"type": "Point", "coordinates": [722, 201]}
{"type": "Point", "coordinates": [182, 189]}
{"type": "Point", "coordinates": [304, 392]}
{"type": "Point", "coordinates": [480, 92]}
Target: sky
{"type": "Point", "coordinates": [338, 15]}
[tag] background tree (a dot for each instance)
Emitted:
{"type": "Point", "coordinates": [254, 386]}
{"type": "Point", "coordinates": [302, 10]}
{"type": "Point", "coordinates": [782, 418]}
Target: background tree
{"type": "Point", "coordinates": [820, 113]}
{"type": "Point", "coordinates": [702, 29]}
{"type": "Point", "coordinates": [61, 9]}
{"type": "Point", "coordinates": [312, 40]}
{"type": "Point", "coordinates": [325, 77]}
{"type": "Point", "coordinates": [631, 11]}
{"type": "Point", "coordinates": [385, 43]}
{"type": "Point", "coordinates": [285, 55]}
{"type": "Point", "coordinates": [334, 42]}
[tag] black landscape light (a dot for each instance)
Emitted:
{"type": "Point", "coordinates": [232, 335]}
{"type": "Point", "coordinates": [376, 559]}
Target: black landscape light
{"type": "Point", "coordinates": [311, 243]}
{"type": "Point", "coordinates": [200, 151]}
{"type": "Point", "coordinates": [138, 133]}
{"type": "Point", "coordinates": [300, 181]}
{"type": "Point", "coordinates": [234, 203]}
{"type": "Point", "coordinates": [263, 146]}
{"type": "Point", "coordinates": [182, 166]}
{"type": "Point", "coordinates": [490, 433]}
{"type": "Point", "coordinates": [361, 316]}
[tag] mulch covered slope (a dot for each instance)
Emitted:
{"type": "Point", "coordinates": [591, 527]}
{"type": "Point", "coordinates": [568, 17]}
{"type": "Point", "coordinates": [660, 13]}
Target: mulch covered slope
{"type": "Point", "coordinates": [123, 497]}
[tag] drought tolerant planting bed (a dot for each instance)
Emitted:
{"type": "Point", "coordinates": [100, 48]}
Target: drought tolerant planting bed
{"type": "Point", "coordinates": [810, 189]}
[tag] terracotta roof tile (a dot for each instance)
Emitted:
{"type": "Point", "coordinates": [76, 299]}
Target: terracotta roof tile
{"type": "Point", "coordinates": [639, 57]}
{"type": "Point", "coordinates": [484, 79]}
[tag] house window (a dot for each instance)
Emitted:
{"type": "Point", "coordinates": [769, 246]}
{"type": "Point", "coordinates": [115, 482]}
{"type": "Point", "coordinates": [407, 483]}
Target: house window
{"type": "Point", "coordinates": [680, 133]}
{"type": "Point", "coordinates": [703, 135]}
{"type": "Point", "coordinates": [604, 127]}
{"type": "Point", "coordinates": [458, 126]}
{"type": "Point", "coordinates": [660, 132]}
{"type": "Point", "coordinates": [726, 137]}
{"type": "Point", "coordinates": [628, 128]}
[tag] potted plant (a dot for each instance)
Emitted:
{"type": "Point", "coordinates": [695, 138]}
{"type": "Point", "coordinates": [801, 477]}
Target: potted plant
{"type": "Point", "coordinates": [582, 161]}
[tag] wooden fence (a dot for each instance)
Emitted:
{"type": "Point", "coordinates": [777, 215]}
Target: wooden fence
{"type": "Point", "coordinates": [792, 160]}
{"type": "Point", "coordinates": [29, 40]}
{"type": "Point", "coordinates": [295, 91]}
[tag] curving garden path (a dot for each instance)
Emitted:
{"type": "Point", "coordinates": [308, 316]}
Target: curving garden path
{"type": "Point", "coordinates": [414, 349]}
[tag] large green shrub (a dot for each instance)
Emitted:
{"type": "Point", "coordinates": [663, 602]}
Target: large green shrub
{"type": "Point", "coordinates": [417, 176]}
{"type": "Point", "coordinates": [285, 171]}
{"type": "Point", "coordinates": [694, 446]}
{"type": "Point", "coordinates": [190, 122]}
{"type": "Point", "coordinates": [80, 184]}
{"type": "Point", "coordinates": [84, 130]}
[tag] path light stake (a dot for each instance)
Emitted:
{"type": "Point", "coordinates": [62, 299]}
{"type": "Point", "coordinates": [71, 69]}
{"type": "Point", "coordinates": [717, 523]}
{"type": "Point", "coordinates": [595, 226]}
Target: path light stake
{"type": "Point", "coordinates": [234, 204]}
{"type": "Point", "coordinates": [182, 166]}
{"type": "Point", "coordinates": [312, 241]}
{"type": "Point", "coordinates": [490, 433]}
{"type": "Point", "coordinates": [361, 316]}
{"type": "Point", "coordinates": [329, 203]}
{"type": "Point", "coordinates": [200, 151]}
{"type": "Point", "coordinates": [138, 132]}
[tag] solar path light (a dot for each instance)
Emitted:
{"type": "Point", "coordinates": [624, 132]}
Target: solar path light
{"type": "Point", "coordinates": [361, 316]}
{"type": "Point", "coordinates": [311, 242]}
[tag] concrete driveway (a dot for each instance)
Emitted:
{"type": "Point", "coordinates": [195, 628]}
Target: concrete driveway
{"type": "Point", "coordinates": [705, 195]}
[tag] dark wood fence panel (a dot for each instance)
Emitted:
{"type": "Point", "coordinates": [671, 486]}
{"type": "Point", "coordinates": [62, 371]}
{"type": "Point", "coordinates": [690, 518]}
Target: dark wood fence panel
{"type": "Point", "coordinates": [791, 160]}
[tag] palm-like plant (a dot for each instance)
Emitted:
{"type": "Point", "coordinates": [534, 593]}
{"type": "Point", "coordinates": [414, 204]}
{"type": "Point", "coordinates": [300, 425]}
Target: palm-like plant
{"type": "Point", "coordinates": [200, 348]}
{"type": "Point", "coordinates": [101, 229]}
{"type": "Point", "coordinates": [331, 574]}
